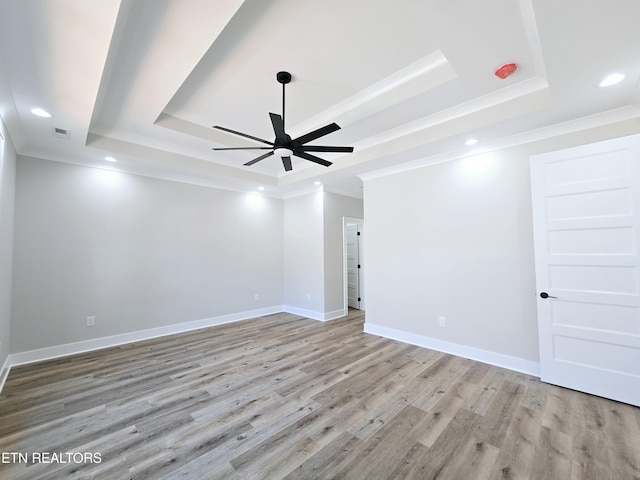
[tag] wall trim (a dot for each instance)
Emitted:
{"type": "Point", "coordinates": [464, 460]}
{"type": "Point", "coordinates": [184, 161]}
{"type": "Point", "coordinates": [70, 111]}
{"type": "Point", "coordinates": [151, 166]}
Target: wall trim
{"type": "Point", "coordinates": [56, 351]}
{"type": "Point", "coordinates": [312, 314]}
{"type": "Point", "coordinates": [335, 314]}
{"type": "Point", "coordinates": [485, 356]}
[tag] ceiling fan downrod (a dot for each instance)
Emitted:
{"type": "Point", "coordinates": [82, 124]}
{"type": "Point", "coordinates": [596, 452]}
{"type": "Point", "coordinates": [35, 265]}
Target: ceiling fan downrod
{"type": "Point", "coordinates": [283, 78]}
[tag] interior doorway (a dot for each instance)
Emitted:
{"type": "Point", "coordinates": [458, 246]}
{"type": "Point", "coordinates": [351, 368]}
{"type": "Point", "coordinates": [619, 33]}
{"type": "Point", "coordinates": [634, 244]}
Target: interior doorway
{"type": "Point", "coordinates": [353, 260]}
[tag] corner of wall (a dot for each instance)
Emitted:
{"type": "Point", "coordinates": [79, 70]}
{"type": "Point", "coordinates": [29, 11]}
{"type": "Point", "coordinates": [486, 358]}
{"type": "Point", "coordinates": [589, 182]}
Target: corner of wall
{"type": "Point", "coordinates": [4, 373]}
{"type": "Point", "coordinates": [8, 161]}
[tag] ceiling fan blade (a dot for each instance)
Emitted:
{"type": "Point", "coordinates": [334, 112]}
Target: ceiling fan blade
{"type": "Point", "coordinates": [320, 148]}
{"type": "Point", "coordinates": [286, 161]}
{"type": "Point", "coordinates": [244, 148]}
{"type": "Point", "coordinates": [242, 134]}
{"type": "Point", "coordinates": [320, 132]}
{"type": "Point", "coordinates": [278, 125]}
{"type": "Point", "coordinates": [256, 160]}
{"type": "Point", "coordinates": [312, 158]}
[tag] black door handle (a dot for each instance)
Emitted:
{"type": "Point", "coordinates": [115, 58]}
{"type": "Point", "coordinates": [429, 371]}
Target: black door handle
{"type": "Point", "coordinates": [546, 295]}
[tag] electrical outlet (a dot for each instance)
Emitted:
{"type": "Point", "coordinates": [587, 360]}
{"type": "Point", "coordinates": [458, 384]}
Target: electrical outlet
{"type": "Point", "coordinates": [256, 297]}
{"type": "Point", "coordinates": [442, 321]}
{"type": "Point", "coordinates": [91, 321]}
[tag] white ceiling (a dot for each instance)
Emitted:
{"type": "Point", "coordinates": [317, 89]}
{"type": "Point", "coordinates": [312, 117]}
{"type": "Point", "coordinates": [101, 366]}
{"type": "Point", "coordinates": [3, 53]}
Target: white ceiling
{"type": "Point", "coordinates": [144, 80]}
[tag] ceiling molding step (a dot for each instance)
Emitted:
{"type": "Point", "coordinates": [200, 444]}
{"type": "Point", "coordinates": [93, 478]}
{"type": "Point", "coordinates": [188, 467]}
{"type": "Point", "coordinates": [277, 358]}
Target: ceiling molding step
{"type": "Point", "coordinates": [533, 38]}
{"type": "Point", "coordinates": [423, 75]}
{"type": "Point", "coordinates": [529, 95]}
{"type": "Point", "coordinates": [11, 120]}
{"type": "Point", "coordinates": [302, 192]}
{"type": "Point", "coordinates": [598, 120]}
{"type": "Point", "coordinates": [199, 23]}
{"type": "Point", "coordinates": [175, 159]}
{"type": "Point", "coordinates": [108, 66]}
{"type": "Point", "coordinates": [613, 117]}
{"type": "Point", "coordinates": [319, 188]}
{"type": "Point", "coordinates": [344, 193]}
{"type": "Point", "coordinates": [141, 80]}
{"type": "Point", "coordinates": [248, 188]}
{"type": "Point", "coordinates": [419, 77]}
{"type": "Point", "coordinates": [635, 100]}
{"type": "Point", "coordinates": [176, 124]}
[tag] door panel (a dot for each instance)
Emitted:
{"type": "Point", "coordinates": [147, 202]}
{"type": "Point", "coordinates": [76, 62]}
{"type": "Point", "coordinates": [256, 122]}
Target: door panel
{"type": "Point", "coordinates": [586, 208]}
{"type": "Point", "coordinates": [594, 204]}
{"type": "Point", "coordinates": [595, 241]}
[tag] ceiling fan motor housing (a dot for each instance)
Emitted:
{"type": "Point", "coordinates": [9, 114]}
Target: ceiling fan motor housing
{"type": "Point", "coordinates": [283, 77]}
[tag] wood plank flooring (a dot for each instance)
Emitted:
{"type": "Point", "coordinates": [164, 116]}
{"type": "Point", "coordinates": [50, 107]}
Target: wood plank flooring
{"type": "Point", "coordinates": [283, 397]}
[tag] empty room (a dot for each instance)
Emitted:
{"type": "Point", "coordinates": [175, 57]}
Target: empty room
{"type": "Point", "coordinates": [287, 239]}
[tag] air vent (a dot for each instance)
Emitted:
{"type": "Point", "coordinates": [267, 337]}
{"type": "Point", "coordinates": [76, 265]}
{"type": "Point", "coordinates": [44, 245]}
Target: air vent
{"type": "Point", "coordinates": [60, 132]}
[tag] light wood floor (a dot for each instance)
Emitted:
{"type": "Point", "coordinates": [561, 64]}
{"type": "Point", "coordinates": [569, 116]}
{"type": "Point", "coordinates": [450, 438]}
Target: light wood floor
{"type": "Point", "coordinates": [282, 397]}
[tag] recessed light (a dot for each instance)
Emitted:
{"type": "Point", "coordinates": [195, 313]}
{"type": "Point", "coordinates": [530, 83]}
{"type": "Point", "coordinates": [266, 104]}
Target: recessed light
{"type": "Point", "coordinates": [471, 141]}
{"type": "Point", "coordinates": [317, 182]}
{"type": "Point", "coordinates": [40, 112]}
{"type": "Point", "coordinates": [110, 159]}
{"type": "Point", "coordinates": [612, 79]}
{"type": "Point", "coordinates": [260, 188]}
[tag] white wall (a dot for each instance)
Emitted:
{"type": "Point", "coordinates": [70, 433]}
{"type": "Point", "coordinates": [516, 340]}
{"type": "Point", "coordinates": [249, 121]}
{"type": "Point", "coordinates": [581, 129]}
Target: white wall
{"type": "Point", "coordinates": [304, 255]}
{"type": "Point", "coordinates": [336, 207]}
{"type": "Point", "coordinates": [138, 253]}
{"type": "Point", "coordinates": [7, 198]}
{"type": "Point", "coordinates": [454, 240]}
{"type": "Point", "coordinates": [313, 283]}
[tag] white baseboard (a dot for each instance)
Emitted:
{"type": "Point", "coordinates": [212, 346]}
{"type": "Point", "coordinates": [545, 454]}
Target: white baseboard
{"type": "Point", "coordinates": [4, 373]}
{"type": "Point", "coordinates": [335, 314]}
{"type": "Point", "coordinates": [303, 312]}
{"type": "Point", "coordinates": [49, 353]}
{"type": "Point", "coordinates": [472, 353]}
{"type": "Point", "coordinates": [312, 314]}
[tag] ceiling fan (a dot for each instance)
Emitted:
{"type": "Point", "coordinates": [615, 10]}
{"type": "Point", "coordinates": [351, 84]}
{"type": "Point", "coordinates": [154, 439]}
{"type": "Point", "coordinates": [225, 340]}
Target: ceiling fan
{"type": "Point", "coordinates": [284, 146]}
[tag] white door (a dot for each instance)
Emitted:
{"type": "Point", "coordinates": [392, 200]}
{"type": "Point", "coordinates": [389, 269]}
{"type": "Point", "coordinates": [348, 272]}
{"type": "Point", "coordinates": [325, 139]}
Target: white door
{"type": "Point", "coordinates": [352, 262]}
{"type": "Point", "coordinates": [353, 265]}
{"type": "Point", "coordinates": [586, 214]}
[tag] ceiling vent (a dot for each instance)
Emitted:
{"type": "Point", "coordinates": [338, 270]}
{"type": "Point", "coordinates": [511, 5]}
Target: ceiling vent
{"type": "Point", "coordinates": [61, 133]}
